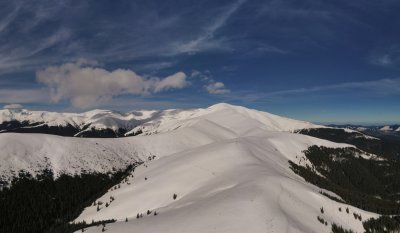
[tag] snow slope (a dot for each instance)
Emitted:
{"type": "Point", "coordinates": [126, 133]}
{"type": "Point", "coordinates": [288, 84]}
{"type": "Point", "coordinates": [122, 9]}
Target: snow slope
{"type": "Point", "coordinates": [99, 118]}
{"type": "Point", "coordinates": [227, 116]}
{"type": "Point", "coordinates": [386, 128]}
{"type": "Point", "coordinates": [33, 152]}
{"type": "Point", "coordinates": [238, 181]}
{"type": "Point", "coordinates": [149, 122]}
{"type": "Point", "coordinates": [228, 166]}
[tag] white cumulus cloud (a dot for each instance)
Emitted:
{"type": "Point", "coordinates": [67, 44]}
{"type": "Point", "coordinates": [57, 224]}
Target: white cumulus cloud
{"type": "Point", "coordinates": [85, 84]}
{"type": "Point", "coordinates": [217, 88]}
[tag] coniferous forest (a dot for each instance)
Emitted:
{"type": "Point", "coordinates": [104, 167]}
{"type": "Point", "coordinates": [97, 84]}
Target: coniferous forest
{"type": "Point", "coordinates": [369, 184]}
{"type": "Point", "coordinates": [382, 224]}
{"type": "Point", "coordinates": [372, 185]}
{"type": "Point", "coordinates": [45, 204]}
{"type": "Point", "coordinates": [389, 148]}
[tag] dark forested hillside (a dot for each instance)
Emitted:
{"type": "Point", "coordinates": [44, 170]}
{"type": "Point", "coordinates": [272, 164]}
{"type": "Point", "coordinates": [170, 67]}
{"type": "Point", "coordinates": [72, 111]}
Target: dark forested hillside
{"type": "Point", "coordinates": [380, 131]}
{"type": "Point", "coordinates": [388, 148]}
{"type": "Point", "coordinates": [44, 204]}
{"type": "Point", "coordinates": [101, 133]}
{"type": "Point", "coordinates": [382, 224]}
{"type": "Point", "coordinates": [372, 185]}
{"type": "Point", "coordinates": [67, 130]}
{"type": "Point", "coordinates": [17, 127]}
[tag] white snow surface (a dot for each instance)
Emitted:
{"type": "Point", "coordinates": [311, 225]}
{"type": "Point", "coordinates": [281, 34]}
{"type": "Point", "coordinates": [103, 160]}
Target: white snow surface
{"type": "Point", "coordinates": [386, 128]}
{"type": "Point", "coordinates": [359, 132]}
{"type": "Point", "coordinates": [98, 119]}
{"type": "Point", "coordinates": [225, 114]}
{"type": "Point", "coordinates": [228, 166]}
{"type": "Point", "coordinates": [152, 121]}
{"type": "Point", "coordinates": [33, 152]}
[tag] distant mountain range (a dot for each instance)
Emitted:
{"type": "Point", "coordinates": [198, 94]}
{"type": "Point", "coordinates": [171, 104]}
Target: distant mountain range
{"type": "Point", "coordinates": [95, 123]}
{"type": "Point", "coordinates": [106, 123]}
{"type": "Point", "coordinates": [386, 131]}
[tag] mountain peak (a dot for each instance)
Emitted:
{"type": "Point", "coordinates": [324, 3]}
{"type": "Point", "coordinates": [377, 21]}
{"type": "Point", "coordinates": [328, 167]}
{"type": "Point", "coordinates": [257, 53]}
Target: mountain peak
{"type": "Point", "coordinates": [233, 117]}
{"type": "Point", "coordinates": [222, 106]}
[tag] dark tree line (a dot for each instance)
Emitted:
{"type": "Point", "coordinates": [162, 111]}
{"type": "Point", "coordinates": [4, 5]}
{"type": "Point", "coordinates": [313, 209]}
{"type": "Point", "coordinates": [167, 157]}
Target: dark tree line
{"type": "Point", "coordinates": [382, 224]}
{"type": "Point", "coordinates": [386, 147]}
{"type": "Point", "coordinates": [43, 204]}
{"type": "Point", "coordinates": [339, 229]}
{"type": "Point", "coordinates": [66, 130]}
{"type": "Point", "coordinates": [372, 185]}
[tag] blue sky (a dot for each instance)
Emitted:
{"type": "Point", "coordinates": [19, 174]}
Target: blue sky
{"type": "Point", "coordinates": [320, 61]}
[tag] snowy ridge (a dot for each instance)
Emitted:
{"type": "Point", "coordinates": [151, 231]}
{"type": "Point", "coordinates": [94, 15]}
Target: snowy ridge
{"type": "Point", "coordinates": [146, 122]}
{"type": "Point", "coordinates": [236, 183]}
{"type": "Point", "coordinates": [228, 166]}
{"type": "Point", "coordinates": [359, 132]}
{"type": "Point", "coordinates": [386, 128]}
{"type": "Point", "coordinates": [225, 115]}
{"type": "Point", "coordinates": [99, 119]}
{"type": "Point", "coordinates": [33, 152]}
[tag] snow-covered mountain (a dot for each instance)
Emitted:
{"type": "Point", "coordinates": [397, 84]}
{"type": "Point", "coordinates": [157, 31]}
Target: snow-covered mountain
{"type": "Point", "coordinates": [228, 166]}
{"type": "Point", "coordinates": [386, 128]}
{"type": "Point", "coordinates": [390, 128]}
{"type": "Point", "coordinates": [387, 131]}
{"type": "Point", "coordinates": [33, 152]}
{"type": "Point", "coordinates": [95, 123]}
{"type": "Point", "coordinates": [105, 123]}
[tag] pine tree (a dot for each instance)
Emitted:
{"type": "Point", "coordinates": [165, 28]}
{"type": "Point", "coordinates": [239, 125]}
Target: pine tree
{"type": "Point", "coordinates": [126, 219]}
{"type": "Point", "coordinates": [174, 196]}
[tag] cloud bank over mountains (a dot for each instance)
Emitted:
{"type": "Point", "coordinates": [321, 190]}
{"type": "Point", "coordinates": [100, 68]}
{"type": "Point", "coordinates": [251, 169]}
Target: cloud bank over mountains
{"type": "Point", "coordinates": [85, 84]}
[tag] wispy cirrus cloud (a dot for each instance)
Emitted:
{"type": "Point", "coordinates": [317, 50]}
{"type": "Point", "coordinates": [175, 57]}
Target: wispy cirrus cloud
{"type": "Point", "coordinates": [9, 17]}
{"type": "Point", "coordinates": [386, 57]}
{"type": "Point", "coordinates": [206, 40]}
{"type": "Point", "coordinates": [60, 32]}
{"type": "Point", "coordinates": [24, 44]}
{"type": "Point", "coordinates": [287, 10]}
{"type": "Point", "coordinates": [381, 86]}
{"type": "Point", "coordinates": [155, 66]}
